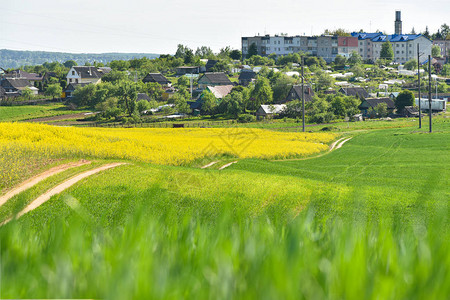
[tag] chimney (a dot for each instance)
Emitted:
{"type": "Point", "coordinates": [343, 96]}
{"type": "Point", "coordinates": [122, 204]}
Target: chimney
{"type": "Point", "coordinates": [398, 22]}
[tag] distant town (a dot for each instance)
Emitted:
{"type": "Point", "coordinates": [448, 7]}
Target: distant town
{"type": "Point", "coordinates": [346, 75]}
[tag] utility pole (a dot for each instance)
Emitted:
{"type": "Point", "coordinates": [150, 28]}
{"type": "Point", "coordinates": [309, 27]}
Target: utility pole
{"type": "Point", "coordinates": [418, 76]}
{"type": "Point", "coordinates": [429, 89]}
{"type": "Point", "coordinates": [190, 81]}
{"type": "Point", "coordinates": [303, 93]}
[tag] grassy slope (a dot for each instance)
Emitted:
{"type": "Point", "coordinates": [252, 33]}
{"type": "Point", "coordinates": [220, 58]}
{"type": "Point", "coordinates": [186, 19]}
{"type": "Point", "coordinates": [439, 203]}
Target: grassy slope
{"type": "Point", "coordinates": [377, 228]}
{"type": "Point", "coordinates": [26, 112]}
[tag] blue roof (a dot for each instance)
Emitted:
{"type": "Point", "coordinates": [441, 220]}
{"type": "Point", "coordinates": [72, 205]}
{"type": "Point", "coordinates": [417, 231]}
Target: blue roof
{"type": "Point", "coordinates": [380, 37]}
{"type": "Point", "coordinates": [365, 35]}
{"type": "Point", "coordinates": [403, 37]}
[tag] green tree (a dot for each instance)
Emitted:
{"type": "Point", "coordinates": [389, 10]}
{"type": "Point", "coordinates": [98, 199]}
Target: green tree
{"type": "Point", "coordinates": [181, 105]}
{"type": "Point", "coordinates": [84, 95]}
{"type": "Point", "coordinates": [358, 70]}
{"type": "Point", "coordinates": [340, 60]}
{"type": "Point", "coordinates": [324, 81]}
{"type": "Point", "coordinates": [109, 108]}
{"type": "Point", "coordinates": [189, 57]}
{"type": "Point", "coordinates": [405, 98]}
{"type": "Point", "coordinates": [411, 64]}
{"type": "Point", "coordinates": [119, 65]}
{"type": "Point", "coordinates": [381, 110]}
{"type": "Point", "coordinates": [232, 104]}
{"type": "Point", "coordinates": [338, 106]}
{"type": "Point", "coordinates": [53, 90]}
{"type": "Point", "coordinates": [262, 93]}
{"type": "Point", "coordinates": [446, 70]}
{"type": "Point", "coordinates": [282, 86]}
{"type": "Point", "coordinates": [27, 93]}
{"type": "Point", "coordinates": [236, 54]}
{"type": "Point", "coordinates": [128, 95]}
{"type": "Point", "coordinates": [252, 50]}
{"type": "Point", "coordinates": [221, 66]}
{"type": "Point", "coordinates": [70, 63]}
{"type": "Point", "coordinates": [386, 51]}
{"type": "Point", "coordinates": [142, 105]}
{"type": "Point", "coordinates": [115, 76]}
{"type": "Point", "coordinates": [435, 51]}
{"type": "Point", "coordinates": [354, 58]}
{"type": "Point", "coordinates": [183, 81]}
{"type": "Point", "coordinates": [209, 104]}
{"type": "Point", "coordinates": [319, 110]}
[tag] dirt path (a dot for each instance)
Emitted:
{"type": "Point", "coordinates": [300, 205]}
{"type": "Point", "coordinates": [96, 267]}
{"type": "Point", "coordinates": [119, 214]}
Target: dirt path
{"type": "Point", "coordinates": [209, 165]}
{"type": "Point", "coordinates": [335, 145]}
{"type": "Point", "coordinates": [60, 188]}
{"type": "Point", "coordinates": [227, 165]}
{"type": "Point", "coordinates": [38, 178]}
{"type": "Point", "coordinates": [342, 143]}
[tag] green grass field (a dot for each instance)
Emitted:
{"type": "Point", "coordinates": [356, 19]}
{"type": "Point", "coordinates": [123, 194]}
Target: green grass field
{"type": "Point", "coordinates": [26, 112]}
{"type": "Point", "coordinates": [367, 221]}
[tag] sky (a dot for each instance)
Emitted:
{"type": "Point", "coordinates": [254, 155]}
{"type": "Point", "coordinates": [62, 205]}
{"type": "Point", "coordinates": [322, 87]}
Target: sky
{"type": "Point", "coordinates": [149, 26]}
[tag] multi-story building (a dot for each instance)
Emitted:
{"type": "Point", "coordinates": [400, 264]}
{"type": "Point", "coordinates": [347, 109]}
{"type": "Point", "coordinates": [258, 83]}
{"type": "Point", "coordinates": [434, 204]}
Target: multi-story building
{"type": "Point", "coordinates": [323, 46]}
{"type": "Point", "coordinates": [346, 45]}
{"type": "Point", "coordinates": [444, 45]}
{"type": "Point", "coordinates": [368, 45]}
{"type": "Point", "coordinates": [403, 45]}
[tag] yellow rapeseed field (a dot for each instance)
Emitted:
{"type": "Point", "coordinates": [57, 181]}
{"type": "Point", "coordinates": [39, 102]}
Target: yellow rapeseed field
{"type": "Point", "coordinates": [161, 146]}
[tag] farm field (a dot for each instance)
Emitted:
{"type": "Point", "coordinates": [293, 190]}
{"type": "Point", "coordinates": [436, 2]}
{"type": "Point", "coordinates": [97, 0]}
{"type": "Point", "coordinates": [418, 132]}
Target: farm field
{"type": "Point", "coordinates": [26, 112]}
{"type": "Point", "coordinates": [369, 220]}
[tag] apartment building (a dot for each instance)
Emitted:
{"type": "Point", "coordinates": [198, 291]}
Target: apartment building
{"type": "Point", "coordinates": [444, 45]}
{"type": "Point", "coordinates": [403, 45]}
{"type": "Point", "coordinates": [323, 46]}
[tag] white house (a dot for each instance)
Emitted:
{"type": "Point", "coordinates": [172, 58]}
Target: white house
{"type": "Point", "coordinates": [84, 74]}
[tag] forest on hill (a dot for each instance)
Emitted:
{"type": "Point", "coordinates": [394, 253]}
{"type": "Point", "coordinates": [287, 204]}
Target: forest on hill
{"type": "Point", "coordinates": [15, 59]}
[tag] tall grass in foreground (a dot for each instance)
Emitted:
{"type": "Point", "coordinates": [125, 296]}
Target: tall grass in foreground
{"type": "Point", "coordinates": [184, 256]}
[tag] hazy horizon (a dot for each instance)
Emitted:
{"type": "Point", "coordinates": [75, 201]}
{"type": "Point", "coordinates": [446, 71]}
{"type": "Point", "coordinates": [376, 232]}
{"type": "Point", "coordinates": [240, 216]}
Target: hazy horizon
{"type": "Point", "coordinates": [138, 26]}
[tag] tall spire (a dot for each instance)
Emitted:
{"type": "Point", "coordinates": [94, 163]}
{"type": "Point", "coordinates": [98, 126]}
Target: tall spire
{"type": "Point", "coordinates": [398, 22]}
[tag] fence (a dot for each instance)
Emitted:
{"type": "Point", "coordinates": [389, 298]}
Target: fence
{"type": "Point", "coordinates": [178, 124]}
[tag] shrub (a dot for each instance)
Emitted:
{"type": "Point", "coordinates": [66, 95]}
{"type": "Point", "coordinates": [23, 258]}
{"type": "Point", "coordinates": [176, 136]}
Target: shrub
{"type": "Point", "coordinates": [246, 118]}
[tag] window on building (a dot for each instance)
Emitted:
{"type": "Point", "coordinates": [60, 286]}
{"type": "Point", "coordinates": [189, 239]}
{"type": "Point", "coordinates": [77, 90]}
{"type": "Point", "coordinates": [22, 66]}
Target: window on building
{"type": "Point", "coordinates": [73, 72]}
{"type": "Point", "coordinates": [360, 43]}
{"type": "Point", "coordinates": [398, 52]}
{"type": "Point", "coordinates": [397, 45]}
{"type": "Point", "coordinates": [403, 45]}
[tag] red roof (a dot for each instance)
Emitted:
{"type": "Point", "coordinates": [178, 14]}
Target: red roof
{"type": "Point", "coordinates": [347, 41]}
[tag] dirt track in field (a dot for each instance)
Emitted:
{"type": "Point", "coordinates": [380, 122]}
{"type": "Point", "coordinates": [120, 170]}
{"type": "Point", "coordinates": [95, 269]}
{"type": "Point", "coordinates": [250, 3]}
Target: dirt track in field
{"type": "Point", "coordinates": [38, 178]}
{"type": "Point", "coordinates": [60, 188]}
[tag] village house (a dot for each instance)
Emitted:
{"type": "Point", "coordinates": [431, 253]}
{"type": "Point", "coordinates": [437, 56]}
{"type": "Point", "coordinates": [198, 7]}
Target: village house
{"type": "Point", "coordinates": [296, 94]}
{"type": "Point", "coordinates": [246, 77]}
{"type": "Point", "coordinates": [220, 91]}
{"type": "Point", "coordinates": [168, 93]}
{"type": "Point", "coordinates": [355, 92]}
{"type": "Point", "coordinates": [372, 103]}
{"type": "Point", "coordinates": [213, 79]}
{"type": "Point", "coordinates": [143, 96]}
{"type": "Point", "coordinates": [187, 70]}
{"type": "Point", "coordinates": [158, 78]}
{"type": "Point", "coordinates": [210, 64]}
{"type": "Point", "coordinates": [32, 78]}
{"type": "Point", "coordinates": [85, 74]}
{"type": "Point", "coordinates": [2, 93]}
{"type": "Point", "coordinates": [15, 86]}
{"type": "Point", "coordinates": [266, 111]}
{"type": "Point", "coordinates": [70, 89]}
